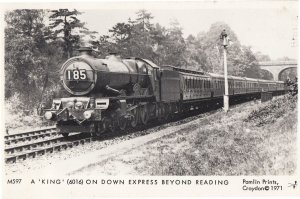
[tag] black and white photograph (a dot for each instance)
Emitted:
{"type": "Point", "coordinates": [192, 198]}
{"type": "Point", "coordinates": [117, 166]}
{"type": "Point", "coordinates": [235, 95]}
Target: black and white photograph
{"type": "Point", "coordinates": [168, 98]}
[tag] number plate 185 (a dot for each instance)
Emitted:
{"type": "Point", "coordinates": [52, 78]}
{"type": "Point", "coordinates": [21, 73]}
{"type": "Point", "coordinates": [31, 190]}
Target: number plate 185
{"type": "Point", "coordinates": [76, 74]}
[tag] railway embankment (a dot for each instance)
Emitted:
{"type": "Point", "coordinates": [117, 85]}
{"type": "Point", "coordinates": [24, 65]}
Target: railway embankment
{"type": "Point", "coordinates": [251, 139]}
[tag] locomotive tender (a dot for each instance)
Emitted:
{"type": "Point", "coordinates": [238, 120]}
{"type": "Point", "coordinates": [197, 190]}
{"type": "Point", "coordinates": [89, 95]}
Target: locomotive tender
{"type": "Point", "coordinates": [114, 93]}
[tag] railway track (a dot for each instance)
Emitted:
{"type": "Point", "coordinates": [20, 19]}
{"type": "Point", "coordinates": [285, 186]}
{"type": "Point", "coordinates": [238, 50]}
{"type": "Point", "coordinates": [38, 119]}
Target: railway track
{"type": "Point", "coordinates": [40, 142]}
{"type": "Point", "coordinates": [30, 135]}
{"type": "Point", "coordinates": [31, 150]}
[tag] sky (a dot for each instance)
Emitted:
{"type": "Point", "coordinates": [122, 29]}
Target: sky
{"type": "Point", "coordinates": [267, 26]}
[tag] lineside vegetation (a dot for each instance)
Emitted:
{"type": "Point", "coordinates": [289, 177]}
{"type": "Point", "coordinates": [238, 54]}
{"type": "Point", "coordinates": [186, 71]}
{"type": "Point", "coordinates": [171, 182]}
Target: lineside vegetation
{"type": "Point", "coordinates": [255, 140]}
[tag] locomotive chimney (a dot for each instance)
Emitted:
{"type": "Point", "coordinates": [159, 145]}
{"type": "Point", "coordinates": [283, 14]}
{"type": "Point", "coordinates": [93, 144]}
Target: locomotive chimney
{"type": "Point", "coordinates": [85, 51]}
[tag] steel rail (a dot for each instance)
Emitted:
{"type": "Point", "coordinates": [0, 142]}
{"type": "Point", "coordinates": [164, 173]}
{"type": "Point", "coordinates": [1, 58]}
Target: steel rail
{"type": "Point", "coordinates": [29, 133]}
{"type": "Point", "coordinates": [29, 146]}
{"type": "Point", "coordinates": [49, 149]}
{"type": "Point", "coordinates": [30, 137]}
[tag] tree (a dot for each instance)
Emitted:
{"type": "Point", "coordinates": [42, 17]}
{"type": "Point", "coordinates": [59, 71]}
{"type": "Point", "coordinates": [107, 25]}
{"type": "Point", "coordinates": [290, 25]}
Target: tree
{"type": "Point", "coordinates": [249, 63]}
{"type": "Point", "coordinates": [241, 60]}
{"type": "Point", "coordinates": [122, 38]}
{"type": "Point", "coordinates": [174, 45]}
{"type": "Point", "coordinates": [143, 20]}
{"type": "Point", "coordinates": [141, 38]}
{"type": "Point", "coordinates": [141, 41]}
{"type": "Point", "coordinates": [214, 50]}
{"type": "Point", "coordinates": [261, 57]}
{"type": "Point", "coordinates": [132, 38]}
{"type": "Point", "coordinates": [67, 27]}
{"type": "Point", "coordinates": [28, 65]}
{"type": "Point", "coordinates": [194, 55]}
{"type": "Point", "coordinates": [103, 46]}
{"type": "Point", "coordinates": [121, 32]}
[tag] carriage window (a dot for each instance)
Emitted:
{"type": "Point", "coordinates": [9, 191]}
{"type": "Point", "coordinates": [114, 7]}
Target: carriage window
{"type": "Point", "coordinates": [186, 82]}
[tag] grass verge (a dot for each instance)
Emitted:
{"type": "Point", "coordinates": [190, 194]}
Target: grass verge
{"type": "Point", "coordinates": [254, 140]}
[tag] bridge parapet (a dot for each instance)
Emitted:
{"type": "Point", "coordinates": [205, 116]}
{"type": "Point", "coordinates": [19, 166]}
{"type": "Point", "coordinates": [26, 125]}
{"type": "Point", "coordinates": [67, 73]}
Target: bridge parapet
{"type": "Point", "coordinates": [277, 63]}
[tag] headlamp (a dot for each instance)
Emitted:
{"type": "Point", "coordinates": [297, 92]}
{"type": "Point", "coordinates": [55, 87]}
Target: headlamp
{"type": "Point", "coordinates": [87, 114]}
{"type": "Point", "coordinates": [48, 115]}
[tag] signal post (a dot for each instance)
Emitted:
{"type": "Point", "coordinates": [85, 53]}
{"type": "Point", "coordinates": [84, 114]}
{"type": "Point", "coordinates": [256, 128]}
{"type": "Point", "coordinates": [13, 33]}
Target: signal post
{"type": "Point", "coordinates": [224, 40]}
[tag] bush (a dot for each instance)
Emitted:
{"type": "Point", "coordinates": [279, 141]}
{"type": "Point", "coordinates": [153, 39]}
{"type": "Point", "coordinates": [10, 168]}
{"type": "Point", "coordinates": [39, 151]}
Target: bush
{"type": "Point", "coordinates": [274, 109]}
{"type": "Point", "coordinates": [17, 116]}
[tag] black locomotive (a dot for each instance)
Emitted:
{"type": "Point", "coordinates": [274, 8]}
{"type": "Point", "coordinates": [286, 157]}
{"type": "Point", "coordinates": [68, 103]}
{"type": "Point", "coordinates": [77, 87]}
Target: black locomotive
{"type": "Point", "coordinates": [114, 93]}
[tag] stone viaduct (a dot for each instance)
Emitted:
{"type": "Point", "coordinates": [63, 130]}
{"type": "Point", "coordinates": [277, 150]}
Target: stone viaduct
{"type": "Point", "coordinates": [277, 67]}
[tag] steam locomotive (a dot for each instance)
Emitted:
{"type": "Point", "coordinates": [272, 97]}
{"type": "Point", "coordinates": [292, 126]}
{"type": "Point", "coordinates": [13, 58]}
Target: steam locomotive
{"type": "Point", "coordinates": [114, 93]}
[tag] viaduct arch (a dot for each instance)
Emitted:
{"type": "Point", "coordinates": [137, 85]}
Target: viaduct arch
{"type": "Point", "coordinates": [277, 67]}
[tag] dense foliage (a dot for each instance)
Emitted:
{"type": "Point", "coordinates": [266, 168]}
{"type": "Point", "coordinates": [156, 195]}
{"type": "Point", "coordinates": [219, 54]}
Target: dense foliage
{"type": "Point", "coordinates": [37, 42]}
